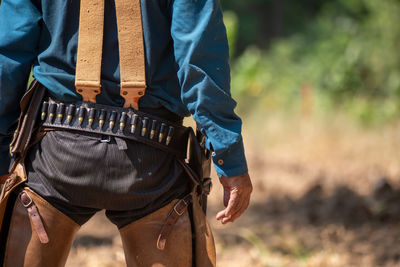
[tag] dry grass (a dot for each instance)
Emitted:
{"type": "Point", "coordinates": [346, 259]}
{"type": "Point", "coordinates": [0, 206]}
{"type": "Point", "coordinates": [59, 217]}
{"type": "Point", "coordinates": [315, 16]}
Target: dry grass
{"type": "Point", "coordinates": [325, 195]}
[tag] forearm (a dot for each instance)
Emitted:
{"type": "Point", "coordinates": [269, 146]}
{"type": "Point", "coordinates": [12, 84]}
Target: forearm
{"type": "Point", "coordinates": [202, 54]}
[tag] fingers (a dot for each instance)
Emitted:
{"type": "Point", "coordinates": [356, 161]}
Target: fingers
{"type": "Point", "coordinates": [231, 203]}
{"type": "Point", "coordinates": [243, 203]}
{"type": "Point", "coordinates": [220, 215]}
{"type": "Point", "coordinates": [233, 214]}
{"type": "Point", "coordinates": [236, 206]}
{"type": "Point", "coordinates": [237, 191]}
{"type": "Point", "coordinates": [234, 202]}
{"type": "Point", "coordinates": [242, 209]}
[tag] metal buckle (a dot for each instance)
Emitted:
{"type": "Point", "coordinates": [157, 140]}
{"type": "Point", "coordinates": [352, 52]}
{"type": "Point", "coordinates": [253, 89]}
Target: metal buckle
{"type": "Point", "coordinates": [176, 205]}
{"type": "Point", "coordinates": [105, 139]}
{"type": "Point", "coordinates": [30, 202]}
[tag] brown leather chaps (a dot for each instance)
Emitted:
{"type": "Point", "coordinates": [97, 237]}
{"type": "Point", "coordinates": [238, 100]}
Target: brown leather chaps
{"type": "Point", "coordinates": [24, 248]}
{"type": "Point", "coordinates": [42, 236]}
{"type": "Point", "coordinates": [139, 240]}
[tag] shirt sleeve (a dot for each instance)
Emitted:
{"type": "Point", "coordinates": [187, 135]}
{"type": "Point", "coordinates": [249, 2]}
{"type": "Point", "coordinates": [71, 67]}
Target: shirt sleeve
{"type": "Point", "coordinates": [19, 35]}
{"type": "Point", "coordinates": [202, 55]}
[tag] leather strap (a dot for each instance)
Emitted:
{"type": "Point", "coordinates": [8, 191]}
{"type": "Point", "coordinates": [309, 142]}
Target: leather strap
{"type": "Point", "coordinates": [27, 120]}
{"type": "Point", "coordinates": [90, 47]}
{"type": "Point", "coordinates": [131, 51]}
{"type": "Point", "coordinates": [7, 183]}
{"type": "Point", "coordinates": [3, 179]}
{"type": "Point", "coordinates": [177, 211]}
{"type": "Point", "coordinates": [33, 212]}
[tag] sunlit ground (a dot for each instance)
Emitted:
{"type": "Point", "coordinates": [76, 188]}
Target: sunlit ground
{"type": "Point", "coordinates": [326, 193]}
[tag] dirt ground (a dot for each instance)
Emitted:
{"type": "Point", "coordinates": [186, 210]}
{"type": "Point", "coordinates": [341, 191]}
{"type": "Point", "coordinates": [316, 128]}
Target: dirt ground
{"type": "Point", "coordinates": [325, 194]}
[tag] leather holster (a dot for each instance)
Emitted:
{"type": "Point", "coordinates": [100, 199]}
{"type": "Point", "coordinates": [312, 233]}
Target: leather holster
{"type": "Point", "coordinates": [24, 136]}
{"type": "Point", "coordinates": [198, 169]}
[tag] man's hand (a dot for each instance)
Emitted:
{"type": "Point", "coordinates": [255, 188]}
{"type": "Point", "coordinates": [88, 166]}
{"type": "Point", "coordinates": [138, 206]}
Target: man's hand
{"type": "Point", "coordinates": [237, 192]}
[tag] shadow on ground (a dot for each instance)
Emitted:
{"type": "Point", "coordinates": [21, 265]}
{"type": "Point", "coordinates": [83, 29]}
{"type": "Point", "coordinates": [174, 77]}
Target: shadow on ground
{"type": "Point", "coordinates": [92, 241]}
{"type": "Point", "coordinates": [362, 228]}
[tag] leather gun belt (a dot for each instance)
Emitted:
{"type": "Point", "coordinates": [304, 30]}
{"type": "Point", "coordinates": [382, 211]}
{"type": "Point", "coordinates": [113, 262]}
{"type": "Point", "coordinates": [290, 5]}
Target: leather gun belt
{"type": "Point", "coordinates": [120, 122]}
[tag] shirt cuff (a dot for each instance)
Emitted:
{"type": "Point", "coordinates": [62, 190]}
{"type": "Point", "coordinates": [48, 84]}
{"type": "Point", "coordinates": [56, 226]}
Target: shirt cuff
{"type": "Point", "coordinates": [231, 162]}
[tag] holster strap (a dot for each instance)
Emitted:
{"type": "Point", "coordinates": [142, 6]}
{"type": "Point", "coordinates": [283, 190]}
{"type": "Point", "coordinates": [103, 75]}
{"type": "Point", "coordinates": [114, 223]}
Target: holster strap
{"type": "Point", "coordinates": [176, 212]}
{"type": "Point", "coordinates": [34, 216]}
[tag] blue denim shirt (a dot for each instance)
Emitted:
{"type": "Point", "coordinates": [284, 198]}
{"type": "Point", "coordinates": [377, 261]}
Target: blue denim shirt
{"type": "Point", "coordinates": [187, 69]}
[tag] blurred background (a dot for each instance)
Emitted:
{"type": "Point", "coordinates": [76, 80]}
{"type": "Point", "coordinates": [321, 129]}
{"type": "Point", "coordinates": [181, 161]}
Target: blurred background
{"type": "Point", "coordinates": [318, 87]}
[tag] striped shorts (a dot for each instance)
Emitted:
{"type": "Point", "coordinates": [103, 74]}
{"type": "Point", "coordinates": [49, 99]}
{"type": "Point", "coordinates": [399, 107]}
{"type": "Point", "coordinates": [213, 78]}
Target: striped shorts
{"type": "Point", "coordinates": [82, 173]}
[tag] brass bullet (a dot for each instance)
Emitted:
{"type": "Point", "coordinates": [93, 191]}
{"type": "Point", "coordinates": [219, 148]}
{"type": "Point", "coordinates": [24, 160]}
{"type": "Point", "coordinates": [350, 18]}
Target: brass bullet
{"type": "Point", "coordinates": [52, 111]}
{"type": "Point", "coordinates": [134, 121]}
{"type": "Point", "coordinates": [122, 121]}
{"type": "Point", "coordinates": [92, 115]}
{"type": "Point", "coordinates": [60, 112]}
{"type": "Point", "coordinates": [112, 120]}
{"type": "Point", "coordinates": [162, 131]}
{"type": "Point", "coordinates": [45, 107]}
{"type": "Point", "coordinates": [169, 136]}
{"type": "Point", "coordinates": [102, 118]}
{"type": "Point", "coordinates": [81, 115]}
{"type": "Point", "coordinates": [153, 129]}
{"type": "Point", "coordinates": [70, 113]}
{"type": "Point", "coordinates": [144, 126]}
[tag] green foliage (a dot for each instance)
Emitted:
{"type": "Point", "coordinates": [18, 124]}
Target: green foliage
{"type": "Point", "coordinates": [348, 55]}
{"type": "Point", "coordinates": [231, 22]}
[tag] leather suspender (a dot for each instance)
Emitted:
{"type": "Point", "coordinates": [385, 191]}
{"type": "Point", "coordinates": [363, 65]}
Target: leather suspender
{"type": "Point", "coordinates": [131, 50]}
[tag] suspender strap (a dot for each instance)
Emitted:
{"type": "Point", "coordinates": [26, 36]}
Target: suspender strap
{"type": "Point", "coordinates": [90, 46]}
{"type": "Point", "coordinates": [131, 51]}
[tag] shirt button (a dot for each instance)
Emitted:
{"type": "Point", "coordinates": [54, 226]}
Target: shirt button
{"type": "Point", "coordinates": [220, 162]}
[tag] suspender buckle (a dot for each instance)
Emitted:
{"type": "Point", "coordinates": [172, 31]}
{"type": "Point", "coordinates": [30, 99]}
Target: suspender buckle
{"type": "Point", "coordinates": [132, 92]}
{"type": "Point", "coordinates": [88, 90]}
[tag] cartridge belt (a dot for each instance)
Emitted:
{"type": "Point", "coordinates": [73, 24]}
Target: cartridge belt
{"type": "Point", "coordinates": [120, 122]}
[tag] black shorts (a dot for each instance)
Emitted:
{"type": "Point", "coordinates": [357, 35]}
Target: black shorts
{"type": "Point", "coordinates": [83, 173]}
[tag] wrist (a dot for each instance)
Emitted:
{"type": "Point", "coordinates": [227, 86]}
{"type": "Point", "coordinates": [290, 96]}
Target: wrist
{"type": "Point", "coordinates": [235, 180]}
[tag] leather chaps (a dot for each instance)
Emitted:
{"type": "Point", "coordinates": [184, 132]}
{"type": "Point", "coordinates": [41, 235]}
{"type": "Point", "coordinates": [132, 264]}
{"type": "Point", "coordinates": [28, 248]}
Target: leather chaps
{"type": "Point", "coordinates": [24, 246]}
{"type": "Point", "coordinates": [42, 236]}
